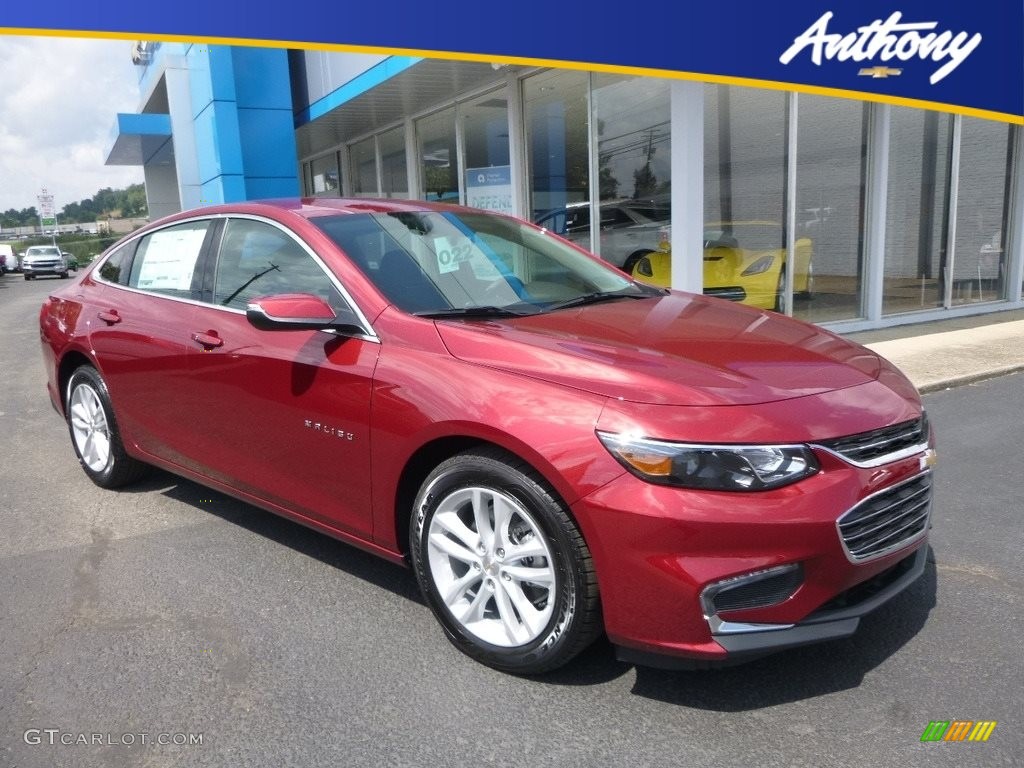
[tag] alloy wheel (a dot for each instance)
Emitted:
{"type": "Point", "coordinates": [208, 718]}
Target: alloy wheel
{"type": "Point", "coordinates": [492, 566]}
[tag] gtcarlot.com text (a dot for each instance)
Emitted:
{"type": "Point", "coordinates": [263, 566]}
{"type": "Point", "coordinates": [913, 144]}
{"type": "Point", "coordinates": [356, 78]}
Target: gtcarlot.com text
{"type": "Point", "coordinates": [56, 736]}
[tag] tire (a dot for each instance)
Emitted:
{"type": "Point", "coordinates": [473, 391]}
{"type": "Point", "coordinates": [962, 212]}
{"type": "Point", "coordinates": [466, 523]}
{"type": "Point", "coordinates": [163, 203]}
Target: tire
{"type": "Point", "coordinates": [64, 275]}
{"type": "Point", "coordinates": [780, 292]}
{"type": "Point", "coordinates": [28, 277]}
{"type": "Point", "coordinates": [526, 611]}
{"type": "Point", "coordinates": [94, 433]}
{"type": "Point", "coordinates": [632, 259]}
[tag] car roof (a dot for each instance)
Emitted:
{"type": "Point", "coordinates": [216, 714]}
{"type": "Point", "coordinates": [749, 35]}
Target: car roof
{"type": "Point", "coordinates": [314, 207]}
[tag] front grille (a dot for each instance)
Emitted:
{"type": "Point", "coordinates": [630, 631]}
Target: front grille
{"type": "Point", "coordinates": [878, 444]}
{"type": "Point", "coordinates": [733, 293]}
{"type": "Point", "coordinates": [861, 593]}
{"type": "Point", "coordinates": [887, 520]}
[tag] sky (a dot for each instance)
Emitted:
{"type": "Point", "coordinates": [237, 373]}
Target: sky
{"type": "Point", "coordinates": [58, 101]}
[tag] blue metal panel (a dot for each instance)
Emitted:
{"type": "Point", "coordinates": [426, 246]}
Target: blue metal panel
{"type": "Point", "coordinates": [268, 142]}
{"type": "Point", "coordinates": [137, 139]}
{"type": "Point", "coordinates": [262, 189]}
{"type": "Point", "coordinates": [368, 80]}
{"type": "Point", "coordinates": [211, 75]}
{"type": "Point", "coordinates": [223, 189]}
{"type": "Point", "coordinates": [218, 145]}
{"type": "Point", "coordinates": [261, 78]}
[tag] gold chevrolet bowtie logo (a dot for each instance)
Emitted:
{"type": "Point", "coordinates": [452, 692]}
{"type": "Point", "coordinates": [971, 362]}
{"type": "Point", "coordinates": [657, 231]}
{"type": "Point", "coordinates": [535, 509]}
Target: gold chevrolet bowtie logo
{"type": "Point", "coordinates": [880, 71]}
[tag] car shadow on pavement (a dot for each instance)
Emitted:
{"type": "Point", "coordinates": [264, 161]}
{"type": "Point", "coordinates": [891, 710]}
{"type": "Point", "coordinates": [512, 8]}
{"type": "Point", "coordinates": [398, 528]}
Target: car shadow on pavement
{"type": "Point", "coordinates": [331, 552]}
{"type": "Point", "coordinates": [800, 673]}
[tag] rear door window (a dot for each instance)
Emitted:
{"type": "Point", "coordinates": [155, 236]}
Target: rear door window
{"type": "Point", "coordinates": [165, 261]}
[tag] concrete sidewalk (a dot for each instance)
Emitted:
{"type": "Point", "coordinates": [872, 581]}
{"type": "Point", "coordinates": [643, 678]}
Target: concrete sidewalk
{"type": "Point", "coordinates": [934, 357]}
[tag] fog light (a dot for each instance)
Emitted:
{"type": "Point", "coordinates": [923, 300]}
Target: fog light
{"type": "Point", "coordinates": [759, 589]}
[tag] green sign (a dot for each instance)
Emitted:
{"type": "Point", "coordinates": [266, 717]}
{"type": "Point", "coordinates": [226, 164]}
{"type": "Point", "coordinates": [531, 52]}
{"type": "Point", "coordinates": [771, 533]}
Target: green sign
{"type": "Point", "coordinates": [49, 222]}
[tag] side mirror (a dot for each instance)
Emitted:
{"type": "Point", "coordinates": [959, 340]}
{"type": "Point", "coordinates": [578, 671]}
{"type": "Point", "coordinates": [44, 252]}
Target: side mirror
{"type": "Point", "coordinates": [297, 312]}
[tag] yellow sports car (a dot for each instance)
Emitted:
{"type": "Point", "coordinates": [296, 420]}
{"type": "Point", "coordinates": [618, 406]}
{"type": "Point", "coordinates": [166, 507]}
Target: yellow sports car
{"type": "Point", "coordinates": [744, 261]}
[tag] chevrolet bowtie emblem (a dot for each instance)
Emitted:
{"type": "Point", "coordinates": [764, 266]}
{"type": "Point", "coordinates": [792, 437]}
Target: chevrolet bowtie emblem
{"type": "Point", "coordinates": [880, 72]}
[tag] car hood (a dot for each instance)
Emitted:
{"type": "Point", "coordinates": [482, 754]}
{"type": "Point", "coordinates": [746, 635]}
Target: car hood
{"type": "Point", "coordinates": [679, 349]}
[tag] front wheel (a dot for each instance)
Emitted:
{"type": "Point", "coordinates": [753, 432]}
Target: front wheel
{"type": "Point", "coordinates": [94, 432]}
{"type": "Point", "coordinates": [631, 261]}
{"type": "Point", "coordinates": [502, 565]}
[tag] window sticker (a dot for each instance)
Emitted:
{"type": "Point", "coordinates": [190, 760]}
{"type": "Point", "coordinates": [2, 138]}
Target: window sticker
{"type": "Point", "coordinates": [170, 259]}
{"type": "Point", "coordinates": [451, 254]}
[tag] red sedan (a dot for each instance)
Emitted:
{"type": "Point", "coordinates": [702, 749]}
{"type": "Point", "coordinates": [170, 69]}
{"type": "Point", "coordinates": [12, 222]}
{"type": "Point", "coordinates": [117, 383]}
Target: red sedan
{"type": "Point", "coordinates": [555, 449]}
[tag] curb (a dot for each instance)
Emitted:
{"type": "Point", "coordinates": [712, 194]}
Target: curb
{"type": "Point", "coordinates": [969, 378]}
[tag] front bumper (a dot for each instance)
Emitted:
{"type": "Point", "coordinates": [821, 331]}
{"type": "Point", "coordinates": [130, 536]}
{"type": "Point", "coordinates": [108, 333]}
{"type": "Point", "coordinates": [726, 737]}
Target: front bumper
{"type": "Point", "coordinates": [44, 269]}
{"type": "Point", "coordinates": [658, 549]}
{"type": "Point", "coordinates": [839, 619]}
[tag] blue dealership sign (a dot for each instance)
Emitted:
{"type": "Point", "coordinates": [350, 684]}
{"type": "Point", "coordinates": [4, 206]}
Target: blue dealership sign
{"type": "Point", "coordinates": [965, 57]}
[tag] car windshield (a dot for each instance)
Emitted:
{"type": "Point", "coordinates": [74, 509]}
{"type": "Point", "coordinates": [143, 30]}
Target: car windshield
{"type": "Point", "coordinates": [465, 264]}
{"type": "Point", "coordinates": [43, 250]}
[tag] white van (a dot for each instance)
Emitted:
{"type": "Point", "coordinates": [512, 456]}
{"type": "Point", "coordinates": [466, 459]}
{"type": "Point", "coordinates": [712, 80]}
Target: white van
{"type": "Point", "coordinates": [8, 261]}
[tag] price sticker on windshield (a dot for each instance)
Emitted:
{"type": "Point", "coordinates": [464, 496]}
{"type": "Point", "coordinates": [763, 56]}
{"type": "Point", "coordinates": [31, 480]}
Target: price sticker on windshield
{"type": "Point", "coordinates": [450, 255]}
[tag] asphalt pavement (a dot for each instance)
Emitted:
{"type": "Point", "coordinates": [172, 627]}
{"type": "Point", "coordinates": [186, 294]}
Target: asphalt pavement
{"type": "Point", "coordinates": [168, 610]}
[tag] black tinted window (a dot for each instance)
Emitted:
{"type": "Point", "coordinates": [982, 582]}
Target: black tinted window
{"type": "Point", "coordinates": [118, 265]}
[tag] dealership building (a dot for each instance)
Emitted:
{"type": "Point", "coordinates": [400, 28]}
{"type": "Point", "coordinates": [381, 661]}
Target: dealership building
{"type": "Point", "coordinates": [890, 214]}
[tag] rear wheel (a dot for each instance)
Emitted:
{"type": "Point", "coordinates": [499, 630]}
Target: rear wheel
{"type": "Point", "coordinates": [94, 432]}
{"type": "Point", "coordinates": [502, 565]}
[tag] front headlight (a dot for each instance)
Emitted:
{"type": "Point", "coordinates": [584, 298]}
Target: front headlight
{"type": "Point", "coordinates": [711, 467]}
{"type": "Point", "coordinates": [760, 265]}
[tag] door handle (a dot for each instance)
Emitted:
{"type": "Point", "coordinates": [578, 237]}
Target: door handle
{"type": "Point", "coordinates": [110, 317]}
{"type": "Point", "coordinates": [208, 339]}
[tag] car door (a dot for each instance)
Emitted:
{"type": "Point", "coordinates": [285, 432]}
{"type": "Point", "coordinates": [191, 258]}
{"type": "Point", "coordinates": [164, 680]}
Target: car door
{"type": "Point", "coordinates": [285, 414]}
{"type": "Point", "coordinates": [139, 331]}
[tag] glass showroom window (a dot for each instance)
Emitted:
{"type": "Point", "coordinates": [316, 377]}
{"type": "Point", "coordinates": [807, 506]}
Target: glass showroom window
{"type": "Point", "coordinates": [983, 196]}
{"type": "Point", "coordinates": [634, 163]}
{"type": "Point", "coordinates": [831, 168]}
{"type": "Point", "coordinates": [439, 173]}
{"type": "Point", "coordinates": [917, 210]}
{"type": "Point", "coordinates": [325, 176]}
{"type": "Point", "coordinates": [393, 173]}
{"type": "Point", "coordinates": [558, 146]}
{"type": "Point", "coordinates": [363, 156]}
{"type": "Point", "coordinates": [488, 172]}
{"type": "Point", "coordinates": [745, 196]}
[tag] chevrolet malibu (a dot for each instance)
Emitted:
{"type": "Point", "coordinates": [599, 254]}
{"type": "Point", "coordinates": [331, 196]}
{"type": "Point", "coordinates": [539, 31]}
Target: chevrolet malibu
{"type": "Point", "coordinates": [556, 451]}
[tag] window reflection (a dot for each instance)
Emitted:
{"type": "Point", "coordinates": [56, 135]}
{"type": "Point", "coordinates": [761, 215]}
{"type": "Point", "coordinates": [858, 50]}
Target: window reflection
{"type": "Point", "coordinates": [439, 175]}
{"type": "Point", "coordinates": [979, 269]}
{"type": "Point", "coordinates": [557, 128]}
{"type": "Point", "coordinates": [394, 178]}
{"type": "Point", "coordinates": [326, 178]}
{"type": "Point", "coordinates": [364, 168]}
{"type": "Point", "coordinates": [745, 192]}
{"type": "Point", "coordinates": [831, 166]}
{"type": "Point", "coordinates": [917, 210]}
{"type": "Point", "coordinates": [634, 161]}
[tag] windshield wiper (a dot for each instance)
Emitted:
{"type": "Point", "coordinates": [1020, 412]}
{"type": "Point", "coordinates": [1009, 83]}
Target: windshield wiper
{"type": "Point", "coordinates": [599, 296]}
{"type": "Point", "coordinates": [485, 311]}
